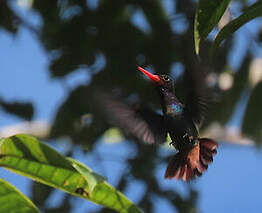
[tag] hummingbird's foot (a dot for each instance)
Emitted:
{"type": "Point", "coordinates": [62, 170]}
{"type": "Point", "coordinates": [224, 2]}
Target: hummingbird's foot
{"type": "Point", "coordinates": [172, 143]}
{"type": "Point", "coordinates": [191, 138]}
{"type": "Point", "coordinates": [185, 135]}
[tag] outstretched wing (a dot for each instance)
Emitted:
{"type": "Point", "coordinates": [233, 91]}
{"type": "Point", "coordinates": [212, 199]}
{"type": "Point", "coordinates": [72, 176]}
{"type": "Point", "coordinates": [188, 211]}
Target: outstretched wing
{"type": "Point", "coordinates": [197, 96]}
{"type": "Point", "coordinates": [138, 120]}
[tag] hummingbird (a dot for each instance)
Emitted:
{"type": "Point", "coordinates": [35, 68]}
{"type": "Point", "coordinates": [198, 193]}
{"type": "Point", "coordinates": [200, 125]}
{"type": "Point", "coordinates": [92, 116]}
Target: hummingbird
{"type": "Point", "coordinates": [180, 121]}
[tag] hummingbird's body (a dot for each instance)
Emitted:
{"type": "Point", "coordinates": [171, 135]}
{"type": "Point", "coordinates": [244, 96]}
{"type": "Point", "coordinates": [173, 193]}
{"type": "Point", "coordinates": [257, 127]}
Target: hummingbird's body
{"type": "Point", "coordinates": [181, 121]}
{"type": "Point", "coordinates": [179, 125]}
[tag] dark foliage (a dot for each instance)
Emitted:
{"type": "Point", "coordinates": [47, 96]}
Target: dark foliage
{"type": "Point", "coordinates": [24, 110]}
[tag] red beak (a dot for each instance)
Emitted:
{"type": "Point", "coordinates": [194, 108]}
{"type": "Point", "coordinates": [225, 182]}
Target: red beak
{"type": "Point", "coordinates": [154, 78]}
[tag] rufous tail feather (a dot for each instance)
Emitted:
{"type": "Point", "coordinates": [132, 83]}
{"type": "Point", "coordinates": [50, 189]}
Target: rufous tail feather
{"type": "Point", "coordinates": [187, 164]}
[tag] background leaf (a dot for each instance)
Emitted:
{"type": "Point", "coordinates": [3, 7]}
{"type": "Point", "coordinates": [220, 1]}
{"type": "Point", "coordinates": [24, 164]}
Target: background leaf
{"type": "Point", "coordinates": [207, 16]}
{"type": "Point", "coordinates": [249, 14]}
{"type": "Point", "coordinates": [230, 97]}
{"type": "Point", "coordinates": [8, 20]}
{"type": "Point", "coordinates": [12, 200]}
{"type": "Point", "coordinates": [40, 193]}
{"type": "Point", "coordinates": [24, 110]}
{"type": "Point", "coordinates": [252, 123]}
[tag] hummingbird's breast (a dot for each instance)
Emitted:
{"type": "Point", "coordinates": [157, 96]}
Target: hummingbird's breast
{"type": "Point", "coordinates": [182, 130]}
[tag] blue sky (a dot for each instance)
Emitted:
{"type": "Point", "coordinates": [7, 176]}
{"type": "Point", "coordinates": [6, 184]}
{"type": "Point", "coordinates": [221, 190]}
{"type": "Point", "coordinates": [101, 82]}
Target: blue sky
{"type": "Point", "coordinates": [232, 183]}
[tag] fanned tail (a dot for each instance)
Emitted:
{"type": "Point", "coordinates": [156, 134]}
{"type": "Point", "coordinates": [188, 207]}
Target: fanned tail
{"type": "Point", "coordinates": [188, 164]}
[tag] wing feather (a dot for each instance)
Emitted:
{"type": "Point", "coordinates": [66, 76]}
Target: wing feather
{"type": "Point", "coordinates": [137, 120]}
{"type": "Point", "coordinates": [197, 96]}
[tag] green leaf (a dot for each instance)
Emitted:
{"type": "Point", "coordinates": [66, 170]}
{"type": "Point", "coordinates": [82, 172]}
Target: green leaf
{"type": "Point", "coordinates": [252, 123]}
{"type": "Point", "coordinates": [208, 14]}
{"type": "Point", "coordinates": [92, 178]}
{"type": "Point", "coordinates": [102, 192]}
{"type": "Point", "coordinates": [12, 200]}
{"type": "Point", "coordinates": [27, 156]}
{"type": "Point", "coordinates": [250, 13]}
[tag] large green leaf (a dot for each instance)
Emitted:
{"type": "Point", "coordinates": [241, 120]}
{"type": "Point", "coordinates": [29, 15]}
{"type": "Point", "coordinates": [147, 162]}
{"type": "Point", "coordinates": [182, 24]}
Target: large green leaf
{"type": "Point", "coordinates": [250, 13]}
{"type": "Point", "coordinates": [12, 200]}
{"type": "Point", "coordinates": [252, 122]}
{"type": "Point", "coordinates": [27, 156]}
{"type": "Point", "coordinates": [207, 16]}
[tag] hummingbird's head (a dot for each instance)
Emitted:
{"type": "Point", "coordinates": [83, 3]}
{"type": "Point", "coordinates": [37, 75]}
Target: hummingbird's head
{"type": "Point", "coordinates": [160, 80]}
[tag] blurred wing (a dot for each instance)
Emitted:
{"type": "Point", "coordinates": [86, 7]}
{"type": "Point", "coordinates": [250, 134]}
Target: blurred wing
{"type": "Point", "coordinates": [139, 121]}
{"type": "Point", "coordinates": [197, 98]}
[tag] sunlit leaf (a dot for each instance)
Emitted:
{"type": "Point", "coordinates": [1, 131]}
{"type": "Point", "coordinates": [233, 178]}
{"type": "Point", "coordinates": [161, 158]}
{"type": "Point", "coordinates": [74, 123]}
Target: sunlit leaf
{"type": "Point", "coordinates": [250, 13]}
{"type": "Point", "coordinates": [207, 16]}
{"type": "Point", "coordinates": [12, 200]}
{"type": "Point", "coordinates": [27, 156]}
